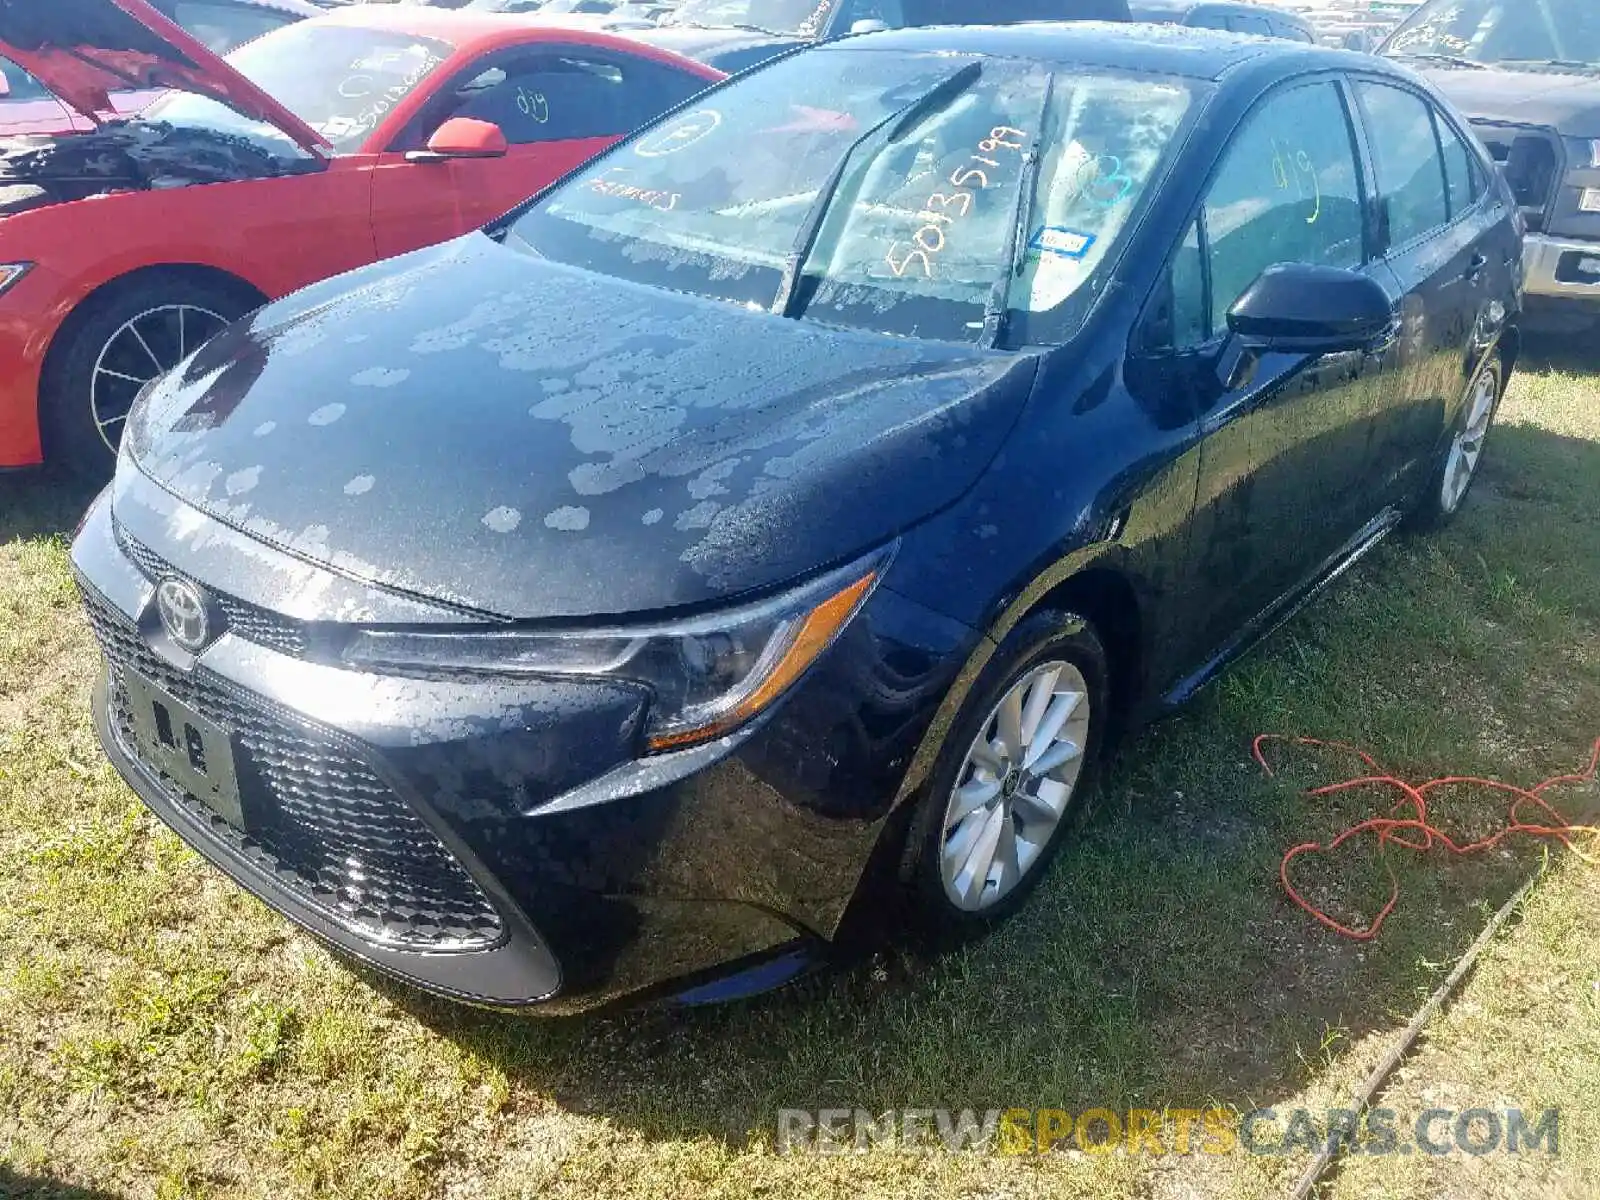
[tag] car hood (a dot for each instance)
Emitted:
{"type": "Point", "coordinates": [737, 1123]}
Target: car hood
{"type": "Point", "coordinates": [475, 425]}
{"type": "Point", "coordinates": [726, 49]}
{"type": "Point", "coordinates": [84, 50]}
{"type": "Point", "coordinates": [1567, 103]}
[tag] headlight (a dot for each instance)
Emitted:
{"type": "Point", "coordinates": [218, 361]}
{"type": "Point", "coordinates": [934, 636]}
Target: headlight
{"type": "Point", "coordinates": [707, 675]}
{"type": "Point", "coordinates": [10, 273]}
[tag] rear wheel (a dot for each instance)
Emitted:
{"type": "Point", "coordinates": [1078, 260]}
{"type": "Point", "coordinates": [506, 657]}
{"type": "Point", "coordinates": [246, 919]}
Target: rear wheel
{"type": "Point", "coordinates": [1452, 479]}
{"type": "Point", "coordinates": [126, 337]}
{"type": "Point", "coordinates": [1012, 773]}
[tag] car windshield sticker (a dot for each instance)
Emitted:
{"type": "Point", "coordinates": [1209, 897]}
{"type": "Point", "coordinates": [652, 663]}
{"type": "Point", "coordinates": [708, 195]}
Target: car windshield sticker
{"type": "Point", "coordinates": [1057, 239]}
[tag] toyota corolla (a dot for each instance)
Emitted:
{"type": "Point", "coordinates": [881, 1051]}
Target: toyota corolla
{"type": "Point", "coordinates": [820, 480]}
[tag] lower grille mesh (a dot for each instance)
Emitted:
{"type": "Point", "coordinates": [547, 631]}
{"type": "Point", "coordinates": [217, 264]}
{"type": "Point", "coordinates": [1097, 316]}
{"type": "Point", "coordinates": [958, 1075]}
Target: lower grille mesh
{"type": "Point", "coordinates": [322, 822]}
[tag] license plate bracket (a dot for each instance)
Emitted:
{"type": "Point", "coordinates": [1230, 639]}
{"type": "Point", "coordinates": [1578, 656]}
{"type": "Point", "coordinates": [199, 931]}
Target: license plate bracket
{"type": "Point", "coordinates": [196, 753]}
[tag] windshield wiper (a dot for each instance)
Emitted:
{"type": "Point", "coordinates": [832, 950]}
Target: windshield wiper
{"type": "Point", "coordinates": [1445, 60]}
{"type": "Point", "coordinates": [1567, 64]}
{"type": "Point", "coordinates": [1015, 253]}
{"type": "Point", "coordinates": [897, 123]}
{"type": "Point", "coordinates": [742, 28]}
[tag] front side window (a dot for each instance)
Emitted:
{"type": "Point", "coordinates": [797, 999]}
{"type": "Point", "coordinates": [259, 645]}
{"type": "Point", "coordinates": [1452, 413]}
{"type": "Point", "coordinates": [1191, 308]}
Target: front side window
{"type": "Point", "coordinates": [1287, 192]}
{"type": "Point", "coordinates": [923, 160]}
{"type": "Point", "coordinates": [1405, 156]}
{"type": "Point", "coordinates": [1558, 34]}
{"type": "Point", "coordinates": [557, 95]}
{"type": "Point", "coordinates": [340, 80]}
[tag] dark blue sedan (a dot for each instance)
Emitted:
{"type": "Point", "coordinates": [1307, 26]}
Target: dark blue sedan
{"type": "Point", "coordinates": [810, 489]}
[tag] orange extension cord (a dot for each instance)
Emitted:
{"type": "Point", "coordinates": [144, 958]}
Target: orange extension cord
{"type": "Point", "coordinates": [1390, 828]}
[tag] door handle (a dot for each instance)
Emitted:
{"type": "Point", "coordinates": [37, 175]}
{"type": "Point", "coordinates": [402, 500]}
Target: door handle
{"type": "Point", "coordinates": [1474, 271]}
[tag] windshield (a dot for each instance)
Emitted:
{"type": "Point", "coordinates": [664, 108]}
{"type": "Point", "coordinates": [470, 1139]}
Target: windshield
{"type": "Point", "coordinates": [1523, 32]}
{"type": "Point", "coordinates": [716, 200]}
{"type": "Point", "coordinates": [340, 80]}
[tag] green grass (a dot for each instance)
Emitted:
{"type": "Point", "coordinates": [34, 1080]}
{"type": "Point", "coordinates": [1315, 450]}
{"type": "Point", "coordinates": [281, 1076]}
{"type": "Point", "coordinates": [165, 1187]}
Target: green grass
{"type": "Point", "coordinates": [162, 1034]}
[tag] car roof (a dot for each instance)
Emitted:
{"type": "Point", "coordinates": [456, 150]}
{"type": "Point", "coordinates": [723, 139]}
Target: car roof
{"type": "Point", "coordinates": [1156, 49]}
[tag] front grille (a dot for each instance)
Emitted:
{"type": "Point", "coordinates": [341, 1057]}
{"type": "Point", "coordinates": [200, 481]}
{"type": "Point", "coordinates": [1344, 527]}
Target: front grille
{"type": "Point", "coordinates": [1531, 162]}
{"type": "Point", "coordinates": [321, 822]}
{"type": "Point", "coordinates": [246, 620]}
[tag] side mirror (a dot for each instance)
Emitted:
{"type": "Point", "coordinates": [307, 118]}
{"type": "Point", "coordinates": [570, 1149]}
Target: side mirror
{"type": "Point", "coordinates": [1296, 308]}
{"type": "Point", "coordinates": [869, 26]}
{"type": "Point", "coordinates": [462, 137]}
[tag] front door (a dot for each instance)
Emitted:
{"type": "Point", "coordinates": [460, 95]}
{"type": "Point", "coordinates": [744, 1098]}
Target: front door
{"type": "Point", "coordinates": [1282, 434]}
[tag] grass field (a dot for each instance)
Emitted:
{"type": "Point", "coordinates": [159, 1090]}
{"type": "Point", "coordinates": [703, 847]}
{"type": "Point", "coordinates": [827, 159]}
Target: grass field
{"type": "Point", "coordinates": [162, 1034]}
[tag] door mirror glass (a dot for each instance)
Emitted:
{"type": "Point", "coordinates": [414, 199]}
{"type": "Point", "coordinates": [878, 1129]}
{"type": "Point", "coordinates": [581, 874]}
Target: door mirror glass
{"type": "Point", "coordinates": [463, 137]}
{"type": "Point", "coordinates": [1297, 308]}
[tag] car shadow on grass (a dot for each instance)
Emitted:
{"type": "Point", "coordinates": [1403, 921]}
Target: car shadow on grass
{"type": "Point", "coordinates": [37, 1187]}
{"type": "Point", "coordinates": [38, 503]}
{"type": "Point", "coordinates": [1569, 353]}
{"type": "Point", "coordinates": [1161, 963]}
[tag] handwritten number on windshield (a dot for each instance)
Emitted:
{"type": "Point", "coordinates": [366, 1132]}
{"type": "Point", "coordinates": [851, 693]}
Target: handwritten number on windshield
{"type": "Point", "coordinates": [940, 211]}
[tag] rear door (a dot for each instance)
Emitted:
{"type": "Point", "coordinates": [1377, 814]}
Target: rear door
{"type": "Point", "coordinates": [557, 104]}
{"type": "Point", "coordinates": [1437, 226]}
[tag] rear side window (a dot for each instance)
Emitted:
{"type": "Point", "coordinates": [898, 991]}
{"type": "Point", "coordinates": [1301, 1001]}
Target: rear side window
{"type": "Point", "coordinates": [1463, 180]}
{"type": "Point", "coordinates": [1287, 191]}
{"type": "Point", "coordinates": [1405, 155]}
{"type": "Point", "coordinates": [1247, 23]}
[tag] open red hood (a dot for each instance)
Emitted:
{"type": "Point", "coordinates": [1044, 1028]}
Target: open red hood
{"type": "Point", "coordinates": [82, 50]}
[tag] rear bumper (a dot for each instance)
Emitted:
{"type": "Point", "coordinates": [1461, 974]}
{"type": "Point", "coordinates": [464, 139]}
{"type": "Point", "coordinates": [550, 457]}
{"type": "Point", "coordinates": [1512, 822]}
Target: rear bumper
{"type": "Point", "coordinates": [1553, 268]}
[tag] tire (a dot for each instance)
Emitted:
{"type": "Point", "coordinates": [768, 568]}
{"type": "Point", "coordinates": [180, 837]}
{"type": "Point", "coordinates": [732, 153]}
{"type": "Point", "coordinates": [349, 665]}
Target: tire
{"type": "Point", "coordinates": [1457, 469]}
{"type": "Point", "coordinates": [1046, 642]}
{"type": "Point", "coordinates": [118, 340]}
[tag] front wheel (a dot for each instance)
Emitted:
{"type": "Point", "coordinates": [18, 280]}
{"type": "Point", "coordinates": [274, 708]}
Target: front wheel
{"type": "Point", "coordinates": [124, 338]}
{"type": "Point", "coordinates": [1012, 772]}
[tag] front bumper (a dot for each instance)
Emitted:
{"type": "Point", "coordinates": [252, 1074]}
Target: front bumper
{"type": "Point", "coordinates": [495, 841]}
{"type": "Point", "coordinates": [1558, 268]}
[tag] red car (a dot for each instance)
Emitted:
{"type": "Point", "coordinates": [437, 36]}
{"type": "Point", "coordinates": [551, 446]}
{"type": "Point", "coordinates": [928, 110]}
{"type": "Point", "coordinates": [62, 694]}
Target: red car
{"type": "Point", "coordinates": [318, 148]}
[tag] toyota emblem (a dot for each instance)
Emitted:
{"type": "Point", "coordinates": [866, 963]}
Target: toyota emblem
{"type": "Point", "coordinates": [182, 609]}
